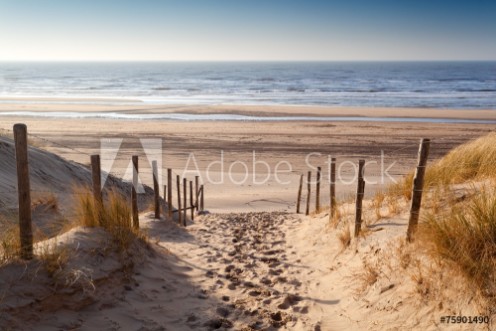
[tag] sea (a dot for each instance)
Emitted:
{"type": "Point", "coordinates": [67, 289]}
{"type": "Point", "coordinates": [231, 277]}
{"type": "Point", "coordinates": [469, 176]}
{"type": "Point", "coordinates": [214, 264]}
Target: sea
{"type": "Point", "coordinates": [443, 85]}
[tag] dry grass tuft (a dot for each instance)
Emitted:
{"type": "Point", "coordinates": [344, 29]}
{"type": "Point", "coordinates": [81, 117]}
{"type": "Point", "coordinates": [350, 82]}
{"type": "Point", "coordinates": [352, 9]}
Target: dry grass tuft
{"type": "Point", "coordinates": [377, 203]}
{"type": "Point", "coordinates": [54, 259]}
{"type": "Point", "coordinates": [465, 235]}
{"type": "Point", "coordinates": [345, 237]}
{"type": "Point", "coordinates": [393, 205]}
{"type": "Point", "coordinates": [114, 217]}
{"type": "Point", "coordinates": [371, 274]}
{"type": "Point", "coordinates": [402, 188]}
{"type": "Point", "coordinates": [405, 255]}
{"type": "Point", "coordinates": [48, 201]}
{"type": "Point", "coordinates": [10, 244]}
{"type": "Point", "coordinates": [314, 213]}
{"type": "Point", "coordinates": [335, 219]}
{"type": "Point", "coordinates": [367, 276]}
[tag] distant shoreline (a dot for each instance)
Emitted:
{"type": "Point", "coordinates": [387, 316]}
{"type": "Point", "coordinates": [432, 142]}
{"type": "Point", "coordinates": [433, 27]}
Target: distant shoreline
{"type": "Point", "coordinates": [226, 117]}
{"type": "Point", "coordinates": [265, 113]}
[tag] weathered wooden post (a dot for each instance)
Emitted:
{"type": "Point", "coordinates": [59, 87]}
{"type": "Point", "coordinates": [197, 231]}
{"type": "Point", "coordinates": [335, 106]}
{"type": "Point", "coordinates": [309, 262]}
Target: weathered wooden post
{"type": "Point", "coordinates": [202, 206]}
{"type": "Point", "coordinates": [317, 191]}
{"type": "Point", "coordinates": [23, 190]}
{"type": "Point", "coordinates": [169, 192]}
{"type": "Point", "coordinates": [192, 206]}
{"type": "Point", "coordinates": [96, 179]}
{"type": "Point", "coordinates": [196, 191]}
{"type": "Point", "coordinates": [156, 189]}
{"type": "Point", "coordinates": [309, 178]}
{"type": "Point", "coordinates": [418, 186]}
{"type": "Point", "coordinates": [359, 198]}
{"type": "Point", "coordinates": [185, 199]}
{"type": "Point", "coordinates": [165, 197]}
{"type": "Point", "coordinates": [332, 193]}
{"type": "Point", "coordinates": [179, 215]}
{"type": "Point", "coordinates": [298, 201]}
{"type": "Point", "coordinates": [134, 195]}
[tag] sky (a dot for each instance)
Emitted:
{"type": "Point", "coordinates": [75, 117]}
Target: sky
{"type": "Point", "coordinates": [242, 30]}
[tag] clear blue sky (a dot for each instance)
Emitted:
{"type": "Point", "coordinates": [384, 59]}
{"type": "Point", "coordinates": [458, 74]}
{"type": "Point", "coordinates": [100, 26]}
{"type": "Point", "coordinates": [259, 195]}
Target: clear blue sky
{"type": "Point", "coordinates": [233, 30]}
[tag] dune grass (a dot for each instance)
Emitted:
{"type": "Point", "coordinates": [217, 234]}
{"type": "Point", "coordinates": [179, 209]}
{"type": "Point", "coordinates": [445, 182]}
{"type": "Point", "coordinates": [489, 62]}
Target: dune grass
{"type": "Point", "coordinates": [457, 229]}
{"type": "Point", "coordinates": [114, 217]}
{"type": "Point", "coordinates": [345, 237]}
{"type": "Point", "coordinates": [10, 243]}
{"type": "Point", "coordinates": [475, 160]}
{"type": "Point", "coordinates": [460, 231]}
{"type": "Point", "coordinates": [465, 235]}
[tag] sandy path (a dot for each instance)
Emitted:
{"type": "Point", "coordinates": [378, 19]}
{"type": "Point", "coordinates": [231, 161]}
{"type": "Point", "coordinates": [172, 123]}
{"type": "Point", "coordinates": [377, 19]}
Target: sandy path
{"type": "Point", "coordinates": [224, 271]}
{"type": "Point", "coordinates": [244, 262]}
{"type": "Point", "coordinates": [250, 271]}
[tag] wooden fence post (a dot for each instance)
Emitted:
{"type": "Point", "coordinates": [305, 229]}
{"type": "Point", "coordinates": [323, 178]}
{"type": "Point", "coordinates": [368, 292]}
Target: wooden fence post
{"type": "Point", "coordinates": [298, 201]}
{"type": "Point", "coordinates": [202, 206]}
{"type": "Point", "coordinates": [169, 192]}
{"type": "Point", "coordinates": [134, 196]}
{"type": "Point", "coordinates": [96, 178]}
{"type": "Point", "coordinates": [165, 197]}
{"type": "Point", "coordinates": [317, 191]}
{"type": "Point", "coordinates": [309, 178]}
{"type": "Point", "coordinates": [179, 215]}
{"type": "Point", "coordinates": [23, 191]}
{"type": "Point", "coordinates": [185, 199]}
{"type": "Point", "coordinates": [191, 200]}
{"type": "Point", "coordinates": [156, 189]}
{"type": "Point", "coordinates": [196, 190]}
{"type": "Point", "coordinates": [332, 193]}
{"type": "Point", "coordinates": [359, 198]}
{"type": "Point", "coordinates": [418, 186]}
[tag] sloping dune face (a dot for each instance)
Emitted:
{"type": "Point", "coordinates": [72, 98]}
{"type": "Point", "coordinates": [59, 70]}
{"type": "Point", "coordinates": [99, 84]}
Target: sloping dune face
{"type": "Point", "coordinates": [49, 174]}
{"type": "Point", "coordinates": [55, 187]}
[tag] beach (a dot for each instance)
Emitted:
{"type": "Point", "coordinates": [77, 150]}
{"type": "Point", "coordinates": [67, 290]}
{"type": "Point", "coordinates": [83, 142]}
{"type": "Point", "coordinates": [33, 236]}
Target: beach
{"type": "Point", "coordinates": [247, 261]}
{"type": "Point", "coordinates": [237, 148]}
{"type": "Point", "coordinates": [275, 166]}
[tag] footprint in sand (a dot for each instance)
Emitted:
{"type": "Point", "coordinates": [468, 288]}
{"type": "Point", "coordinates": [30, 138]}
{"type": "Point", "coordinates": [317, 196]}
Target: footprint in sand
{"type": "Point", "coordinates": [290, 300]}
{"type": "Point", "coordinates": [266, 281]}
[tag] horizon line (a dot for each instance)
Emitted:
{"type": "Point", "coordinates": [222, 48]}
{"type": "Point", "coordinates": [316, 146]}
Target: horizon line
{"type": "Point", "coordinates": [241, 61]}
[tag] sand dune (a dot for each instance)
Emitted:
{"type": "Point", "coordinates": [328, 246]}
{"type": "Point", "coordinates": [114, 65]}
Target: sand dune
{"type": "Point", "coordinates": [54, 187]}
{"type": "Point", "coordinates": [254, 271]}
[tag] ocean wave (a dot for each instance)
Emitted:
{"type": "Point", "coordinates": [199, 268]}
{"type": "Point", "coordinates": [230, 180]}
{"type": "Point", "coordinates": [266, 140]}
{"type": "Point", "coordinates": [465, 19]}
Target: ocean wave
{"type": "Point", "coordinates": [233, 117]}
{"type": "Point", "coordinates": [296, 89]}
{"type": "Point", "coordinates": [475, 90]}
{"type": "Point", "coordinates": [266, 79]}
{"type": "Point", "coordinates": [436, 85]}
{"type": "Point", "coordinates": [161, 88]}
